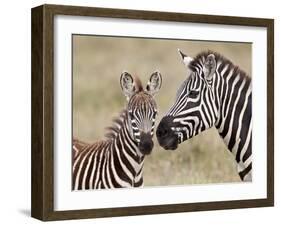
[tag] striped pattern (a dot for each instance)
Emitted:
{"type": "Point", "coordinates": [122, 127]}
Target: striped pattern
{"type": "Point", "coordinates": [222, 98]}
{"type": "Point", "coordinates": [117, 161]}
{"type": "Point", "coordinates": [112, 163]}
{"type": "Point", "coordinates": [142, 113]}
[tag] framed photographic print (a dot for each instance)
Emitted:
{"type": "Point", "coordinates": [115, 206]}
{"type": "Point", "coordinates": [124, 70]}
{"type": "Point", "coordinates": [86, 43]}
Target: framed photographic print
{"type": "Point", "coordinates": [141, 112]}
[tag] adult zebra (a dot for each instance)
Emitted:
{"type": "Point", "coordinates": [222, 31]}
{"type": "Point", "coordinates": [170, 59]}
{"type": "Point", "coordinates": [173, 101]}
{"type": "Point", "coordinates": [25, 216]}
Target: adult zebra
{"type": "Point", "coordinates": [215, 93]}
{"type": "Point", "coordinates": [118, 160]}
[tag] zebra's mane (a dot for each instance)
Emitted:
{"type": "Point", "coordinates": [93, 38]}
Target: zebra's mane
{"type": "Point", "coordinates": [200, 58]}
{"type": "Point", "coordinates": [113, 130]}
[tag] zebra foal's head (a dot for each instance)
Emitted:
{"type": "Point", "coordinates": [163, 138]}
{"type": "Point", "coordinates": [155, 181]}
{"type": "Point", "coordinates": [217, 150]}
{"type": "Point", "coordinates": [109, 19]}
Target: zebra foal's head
{"type": "Point", "coordinates": [194, 109]}
{"type": "Point", "coordinates": [141, 108]}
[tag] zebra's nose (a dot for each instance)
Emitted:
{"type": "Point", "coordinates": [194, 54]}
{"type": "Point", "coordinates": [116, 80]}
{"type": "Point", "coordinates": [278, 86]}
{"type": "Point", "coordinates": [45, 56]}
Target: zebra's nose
{"type": "Point", "coordinates": [165, 135]}
{"type": "Point", "coordinates": [146, 143]}
{"type": "Point", "coordinates": [164, 127]}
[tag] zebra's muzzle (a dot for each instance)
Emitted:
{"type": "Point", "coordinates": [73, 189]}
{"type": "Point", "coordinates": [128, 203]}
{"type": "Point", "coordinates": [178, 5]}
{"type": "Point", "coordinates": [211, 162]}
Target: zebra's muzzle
{"type": "Point", "coordinates": [146, 143]}
{"type": "Point", "coordinates": [166, 137]}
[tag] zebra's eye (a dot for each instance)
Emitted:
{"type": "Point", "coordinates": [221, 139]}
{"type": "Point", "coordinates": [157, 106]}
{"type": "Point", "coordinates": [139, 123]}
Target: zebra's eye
{"type": "Point", "coordinates": [193, 93]}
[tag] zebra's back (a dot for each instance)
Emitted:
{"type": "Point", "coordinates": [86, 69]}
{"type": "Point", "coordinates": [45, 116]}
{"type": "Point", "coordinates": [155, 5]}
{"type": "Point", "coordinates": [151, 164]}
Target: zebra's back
{"type": "Point", "coordinates": [77, 146]}
{"type": "Point", "coordinates": [87, 161]}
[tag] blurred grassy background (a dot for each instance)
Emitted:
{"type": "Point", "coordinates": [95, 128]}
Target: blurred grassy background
{"type": "Point", "coordinates": [97, 98]}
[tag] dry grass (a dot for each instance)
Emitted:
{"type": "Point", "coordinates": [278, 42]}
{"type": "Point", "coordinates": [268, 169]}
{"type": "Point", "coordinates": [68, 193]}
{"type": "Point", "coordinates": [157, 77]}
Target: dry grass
{"type": "Point", "coordinates": [97, 97]}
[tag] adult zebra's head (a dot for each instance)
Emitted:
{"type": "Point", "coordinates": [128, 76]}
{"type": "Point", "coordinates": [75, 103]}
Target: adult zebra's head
{"type": "Point", "coordinates": [141, 108]}
{"type": "Point", "coordinates": [195, 109]}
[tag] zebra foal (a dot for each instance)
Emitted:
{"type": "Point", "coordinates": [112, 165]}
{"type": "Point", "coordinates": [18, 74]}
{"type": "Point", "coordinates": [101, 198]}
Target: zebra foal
{"type": "Point", "coordinates": [215, 93]}
{"type": "Point", "coordinates": [117, 161]}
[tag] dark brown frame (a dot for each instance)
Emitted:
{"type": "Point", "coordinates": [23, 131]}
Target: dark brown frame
{"type": "Point", "coordinates": [42, 198]}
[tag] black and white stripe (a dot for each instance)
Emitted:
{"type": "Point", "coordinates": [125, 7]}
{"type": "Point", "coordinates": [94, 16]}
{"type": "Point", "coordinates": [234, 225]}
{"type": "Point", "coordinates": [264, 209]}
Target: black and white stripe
{"type": "Point", "coordinates": [113, 163]}
{"type": "Point", "coordinates": [216, 93]}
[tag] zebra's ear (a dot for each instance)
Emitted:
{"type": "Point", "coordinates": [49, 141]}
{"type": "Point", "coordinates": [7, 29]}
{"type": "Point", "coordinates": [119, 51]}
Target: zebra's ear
{"type": "Point", "coordinates": [185, 59]}
{"type": "Point", "coordinates": [209, 67]}
{"type": "Point", "coordinates": [154, 83]}
{"type": "Point", "coordinates": [127, 84]}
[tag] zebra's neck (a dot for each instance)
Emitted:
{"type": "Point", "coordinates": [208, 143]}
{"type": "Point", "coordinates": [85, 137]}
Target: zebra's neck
{"type": "Point", "coordinates": [233, 97]}
{"type": "Point", "coordinates": [125, 149]}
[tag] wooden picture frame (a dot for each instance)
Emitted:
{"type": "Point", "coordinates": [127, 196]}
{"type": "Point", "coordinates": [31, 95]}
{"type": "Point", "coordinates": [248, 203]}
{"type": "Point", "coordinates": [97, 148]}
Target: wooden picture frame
{"type": "Point", "coordinates": [42, 203]}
